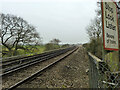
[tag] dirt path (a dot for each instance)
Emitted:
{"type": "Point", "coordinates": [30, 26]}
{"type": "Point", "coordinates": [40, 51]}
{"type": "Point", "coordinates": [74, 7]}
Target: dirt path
{"type": "Point", "coordinates": [69, 73]}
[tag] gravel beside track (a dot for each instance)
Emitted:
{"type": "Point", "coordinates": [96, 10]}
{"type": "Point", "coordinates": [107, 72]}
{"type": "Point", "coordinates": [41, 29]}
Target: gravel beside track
{"type": "Point", "coordinates": [69, 73]}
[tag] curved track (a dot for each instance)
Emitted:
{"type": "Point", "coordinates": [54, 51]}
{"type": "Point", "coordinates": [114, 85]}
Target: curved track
{"type": "Point", "coordinates": [43, 69]}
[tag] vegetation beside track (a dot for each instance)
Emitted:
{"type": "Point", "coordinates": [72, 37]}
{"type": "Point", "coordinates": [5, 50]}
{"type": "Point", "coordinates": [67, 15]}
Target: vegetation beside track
{"type": "Point", "coordinates": [32, 49]}
{"type": "Point", "coordinates": [94, 31]}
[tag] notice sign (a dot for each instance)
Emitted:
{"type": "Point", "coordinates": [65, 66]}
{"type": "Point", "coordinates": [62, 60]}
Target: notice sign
{"type": "Point", "coordinates": [110, 26]}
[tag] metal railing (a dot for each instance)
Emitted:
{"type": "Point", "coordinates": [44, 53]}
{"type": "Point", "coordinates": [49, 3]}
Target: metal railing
{"type": "Point", "coordinates": [100, 76]}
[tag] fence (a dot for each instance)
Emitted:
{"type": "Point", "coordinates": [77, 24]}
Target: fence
{"type": "Point", "coordinates": [100, 76]}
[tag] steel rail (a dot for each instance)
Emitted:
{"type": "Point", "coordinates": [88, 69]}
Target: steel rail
{"type": "Point", "coordinates": [25, 60]}
{"type": "Point", "coordinates": [43, 69]}
{"type": "Point", "coordinates": [14, 61]}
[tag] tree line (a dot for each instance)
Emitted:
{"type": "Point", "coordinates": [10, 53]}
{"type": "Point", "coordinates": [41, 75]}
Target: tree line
{"type": "Point", "coordinates": [16, 33]}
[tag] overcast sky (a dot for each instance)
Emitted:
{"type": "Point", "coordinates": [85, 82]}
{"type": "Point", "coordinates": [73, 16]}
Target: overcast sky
{"type": "Point", "coordinates": [62, 19]}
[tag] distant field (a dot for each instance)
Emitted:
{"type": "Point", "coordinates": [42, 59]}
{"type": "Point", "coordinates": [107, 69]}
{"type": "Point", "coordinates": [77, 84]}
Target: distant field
{"type": "Point", "coordinates": [30, 51]}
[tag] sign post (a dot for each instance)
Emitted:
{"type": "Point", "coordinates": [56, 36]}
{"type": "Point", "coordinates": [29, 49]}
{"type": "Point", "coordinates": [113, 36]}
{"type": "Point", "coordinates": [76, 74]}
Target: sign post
{"type": "Point", "coordinates": [110, 33]}
{"type": "Point", "coordinates": [110, 36]}
{"type": "Point", "coordinates": [110, 26]}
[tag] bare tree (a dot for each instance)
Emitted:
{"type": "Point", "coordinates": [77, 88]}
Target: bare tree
{"type": "Point", "coordinates": [15, 31]}
{"type": "Point", "coordinates": [94, 30]}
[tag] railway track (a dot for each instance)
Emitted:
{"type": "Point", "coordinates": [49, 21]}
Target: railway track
{"type": "Point", "coordinates": [15, 75]}
{"type": "Point", "coordinates": [14, 65]}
